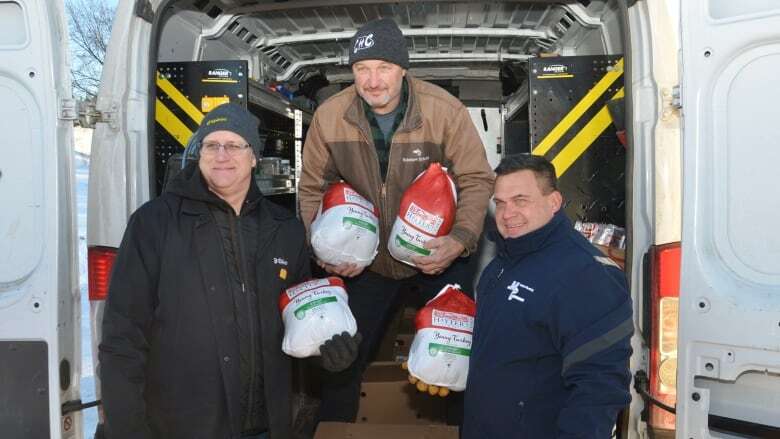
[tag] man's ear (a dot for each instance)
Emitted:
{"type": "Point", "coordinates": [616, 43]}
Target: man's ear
{"type": "Point", "coordinates": [556, 201]}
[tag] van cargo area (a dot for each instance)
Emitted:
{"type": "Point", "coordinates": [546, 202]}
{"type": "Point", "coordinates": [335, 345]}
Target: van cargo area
{"type": "Point", "coordinates": [543, 77]}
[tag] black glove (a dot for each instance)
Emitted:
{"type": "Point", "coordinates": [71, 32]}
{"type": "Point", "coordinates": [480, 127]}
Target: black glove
{"type": "Point", "coordinates": [340, 352]}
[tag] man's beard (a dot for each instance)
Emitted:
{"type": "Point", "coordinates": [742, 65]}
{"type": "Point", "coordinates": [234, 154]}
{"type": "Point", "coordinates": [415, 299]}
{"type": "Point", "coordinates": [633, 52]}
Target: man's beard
{"type": "Point", "coordinates": [378, 102]}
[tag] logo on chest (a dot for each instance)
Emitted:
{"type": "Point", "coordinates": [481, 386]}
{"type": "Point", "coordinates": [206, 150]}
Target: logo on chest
{"type": "Point", "coordinates": [514, 291]}
{"type": "Point", "coordinates": [282, 271]}
{"type": "Point", "coordinates": [416, 156]}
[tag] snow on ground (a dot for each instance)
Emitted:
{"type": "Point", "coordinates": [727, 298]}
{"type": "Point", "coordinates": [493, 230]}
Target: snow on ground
{"type": "Point", "coordinates": [87, 369]}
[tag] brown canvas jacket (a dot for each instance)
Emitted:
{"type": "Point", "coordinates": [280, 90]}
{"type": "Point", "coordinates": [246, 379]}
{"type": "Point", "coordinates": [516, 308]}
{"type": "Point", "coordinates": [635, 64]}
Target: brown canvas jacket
{"type": "Point", "coordinates": [437, 128]}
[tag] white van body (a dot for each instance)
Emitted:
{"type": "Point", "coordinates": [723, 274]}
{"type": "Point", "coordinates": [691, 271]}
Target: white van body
{"type": "Point", "coordinates": [39, 295]}
{"type": "Point", "coordinates": [701, 128]}
{"type": "Point", "coordinates": [729, 345]}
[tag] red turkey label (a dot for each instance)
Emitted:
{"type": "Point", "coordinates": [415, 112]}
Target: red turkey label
{"type": "Point", "coordinates": [451, 320]}
{"type": "Point", "coordinates": [423, 220]}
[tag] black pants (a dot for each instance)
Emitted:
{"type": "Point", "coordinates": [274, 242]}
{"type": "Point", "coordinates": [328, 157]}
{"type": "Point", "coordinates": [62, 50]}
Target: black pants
{"type": "Point", "coordinates": [373, 300]}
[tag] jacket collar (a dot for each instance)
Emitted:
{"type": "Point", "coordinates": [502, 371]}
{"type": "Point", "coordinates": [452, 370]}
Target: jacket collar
{"type": "Point", "coordinates": [514, 248]}
{"type": "Point", "coordinates": [355, 113]}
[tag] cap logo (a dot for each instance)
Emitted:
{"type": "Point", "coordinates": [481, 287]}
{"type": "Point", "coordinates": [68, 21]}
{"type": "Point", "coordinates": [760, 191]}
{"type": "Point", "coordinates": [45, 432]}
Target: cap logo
{"type": "Point", "coordinates": [364, 42]}
{"type": "Point", "coordinates": [216, 120]}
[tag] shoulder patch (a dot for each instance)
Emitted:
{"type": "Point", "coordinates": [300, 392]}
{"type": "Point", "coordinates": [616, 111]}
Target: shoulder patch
{"type": "Point", "coordinates": [603, 260]}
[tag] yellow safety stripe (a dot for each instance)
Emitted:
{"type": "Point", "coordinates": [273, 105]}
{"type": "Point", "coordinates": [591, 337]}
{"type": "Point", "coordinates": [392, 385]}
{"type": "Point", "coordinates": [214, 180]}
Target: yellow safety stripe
{"type": "Point", "coordinates": [586, 102]}
{"type": "Point", "coordinates": [179, 99]}
{"type": "Point", "coordinates": [227, 81]}
{"type": "Point", "coordinates": [561, 75]}
{"type": "Point", "coordinates": [584, 138]}
{"type": "Point", "coordinates": [171, 123]}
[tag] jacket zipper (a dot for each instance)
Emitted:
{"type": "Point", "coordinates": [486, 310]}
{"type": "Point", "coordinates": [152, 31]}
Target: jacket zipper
{"type": "Point", "coordinates": [385, 214]}
{"type": "Point", "coordinates": [378, 171]}
{"type": "Point", "coordinates": [235, 223]}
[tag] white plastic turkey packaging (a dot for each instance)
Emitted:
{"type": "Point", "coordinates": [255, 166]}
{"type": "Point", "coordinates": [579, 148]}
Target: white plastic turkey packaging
{"type": "Point", "coordinates": [345, 229]}
{"type": "Point", "coordinates": [442, 345]}
{"type": "Point", "coordinates": [313, 312]}
{"type": "Point", "coordinates": [427, 211]}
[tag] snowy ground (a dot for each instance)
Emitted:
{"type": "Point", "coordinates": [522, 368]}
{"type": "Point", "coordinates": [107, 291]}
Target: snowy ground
{"type": "Point", "coordinates": [87, 369]}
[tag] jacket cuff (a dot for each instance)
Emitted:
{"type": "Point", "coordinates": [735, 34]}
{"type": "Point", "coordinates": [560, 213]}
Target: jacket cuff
{"type": "Point", "coordinates": [466, 238]}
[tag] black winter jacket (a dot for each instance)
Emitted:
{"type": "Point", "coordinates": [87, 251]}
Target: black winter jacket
{"type": "Point", "coordinates": [238, 233]}
{"type": "Point", "coordinates": [170, 350]}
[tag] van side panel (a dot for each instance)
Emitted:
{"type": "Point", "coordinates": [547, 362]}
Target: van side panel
{"type": "Point", "coordinates": [39, 295]}
{"type": "Point", "coordinates": [729, 364]}
{"type": "Point", "coordinates": [119, 180]}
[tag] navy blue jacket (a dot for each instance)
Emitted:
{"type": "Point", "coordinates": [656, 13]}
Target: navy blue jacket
{"type": "Point", "coordinates": [551, 340]}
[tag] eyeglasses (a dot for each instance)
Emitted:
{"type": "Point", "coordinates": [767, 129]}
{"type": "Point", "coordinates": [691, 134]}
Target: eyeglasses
{"type": "Point", "coordinates": [212, 148]}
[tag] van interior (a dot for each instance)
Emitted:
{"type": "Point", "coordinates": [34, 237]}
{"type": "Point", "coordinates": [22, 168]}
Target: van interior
{"type": "Point", "coordinates": [542, 77]}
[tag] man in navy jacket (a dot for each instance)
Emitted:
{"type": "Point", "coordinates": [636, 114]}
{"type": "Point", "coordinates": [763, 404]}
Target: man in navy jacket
{"type": "Point", "coordinates": [554, 320]}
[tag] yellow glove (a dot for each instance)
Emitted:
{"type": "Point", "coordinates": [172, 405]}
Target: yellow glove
{"type": "Point", "coordinates": [422, 386]}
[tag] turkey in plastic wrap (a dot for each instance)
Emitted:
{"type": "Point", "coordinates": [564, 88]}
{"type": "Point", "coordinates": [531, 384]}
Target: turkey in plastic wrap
{"type": "Point", "coordinates": [427, 211]}
{"type": "Point", "coordinates": [442, 345]}
{"type": "Point", "coordinates": [346, 227]}
{"type": "Point", "coordinates": [313, 312]}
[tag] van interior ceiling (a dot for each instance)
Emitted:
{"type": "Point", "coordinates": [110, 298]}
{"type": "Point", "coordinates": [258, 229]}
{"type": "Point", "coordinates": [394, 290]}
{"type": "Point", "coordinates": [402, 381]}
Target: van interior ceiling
{"type": "Point", "coordinates": [292, 42]}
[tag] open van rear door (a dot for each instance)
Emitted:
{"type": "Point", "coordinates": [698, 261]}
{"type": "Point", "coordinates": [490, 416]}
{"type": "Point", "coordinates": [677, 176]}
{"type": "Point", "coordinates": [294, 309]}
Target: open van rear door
{"type": "Point", "coordinates": [39, 307]}
{"type": "Point", "coordinates": [729, 316]}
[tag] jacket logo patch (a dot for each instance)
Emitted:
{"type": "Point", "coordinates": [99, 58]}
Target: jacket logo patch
{"type": "Point", "coordinates": [283, 273]}
{"type": "Point", "coordinates": [419, 157]}
{"type": "Point", "coordinates": [280, 261]}
{"type": "Point", "coordinates": [514, 291]}
{"type": "Point", "coordinates": [364, 42]}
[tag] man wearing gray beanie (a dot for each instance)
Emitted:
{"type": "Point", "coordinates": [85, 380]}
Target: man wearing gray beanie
{"type": "Point", "coordinates": [379, 135]}
{"type": "Point", "coordinates": [191, 334]}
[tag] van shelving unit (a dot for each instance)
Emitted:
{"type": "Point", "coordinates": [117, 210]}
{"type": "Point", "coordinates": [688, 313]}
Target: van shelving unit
{"type": "Point", "coordinates": [570, 126]}
{"type": "Point", "coordinates": [187, 90]}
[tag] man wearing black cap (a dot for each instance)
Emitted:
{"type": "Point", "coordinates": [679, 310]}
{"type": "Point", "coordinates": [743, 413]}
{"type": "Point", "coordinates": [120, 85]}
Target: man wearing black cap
{"type": "Point", "coordinates": [192, 333]}
{"type": "Point", "coordinates": [378, 136]}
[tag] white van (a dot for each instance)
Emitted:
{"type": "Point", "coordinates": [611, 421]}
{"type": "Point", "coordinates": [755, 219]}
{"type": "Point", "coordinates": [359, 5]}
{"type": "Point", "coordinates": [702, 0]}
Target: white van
{"type": "Point", "coordinates": [699, 85]}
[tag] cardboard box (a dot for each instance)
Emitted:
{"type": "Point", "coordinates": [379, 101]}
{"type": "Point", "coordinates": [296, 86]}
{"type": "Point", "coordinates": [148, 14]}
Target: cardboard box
{"type": "Point", "coordinates": [403, 342]}
{"type": "Point", "coordinates": [387, 398]}
{"type": "Point", "coordinates": [338, 430]}
{"type": "Point", "coordinates": [398, 331]}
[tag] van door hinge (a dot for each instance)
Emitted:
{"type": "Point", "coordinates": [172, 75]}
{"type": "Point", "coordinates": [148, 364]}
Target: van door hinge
{"type": "Point", "coordinates": [109, 116]}
{"type": "Point", "coordinates": [144, 9]}
{"type": "Point", "coordinates": [671, 102]}
{"type": "Point", "coordinates": [68, 109]}
{"type": "Point", "coordinates": [676, 97]}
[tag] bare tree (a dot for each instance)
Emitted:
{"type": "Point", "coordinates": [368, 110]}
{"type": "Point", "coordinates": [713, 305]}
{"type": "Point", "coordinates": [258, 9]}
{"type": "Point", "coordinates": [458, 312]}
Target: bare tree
{"type": "Point", "coordinates": [89, 23]}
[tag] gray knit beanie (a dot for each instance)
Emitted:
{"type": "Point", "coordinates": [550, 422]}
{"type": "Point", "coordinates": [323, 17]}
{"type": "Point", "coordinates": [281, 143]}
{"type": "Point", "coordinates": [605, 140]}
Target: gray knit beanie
{"type": "Point", "coordinates": [230, 117]}
{"type": "Point", "coordinates": [379, 39]}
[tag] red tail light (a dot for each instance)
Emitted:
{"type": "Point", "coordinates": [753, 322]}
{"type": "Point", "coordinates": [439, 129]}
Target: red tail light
{"type": "Point", "coordinates": [100, 261]}
{"type": "Point", "coordinates": [665, 298]}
